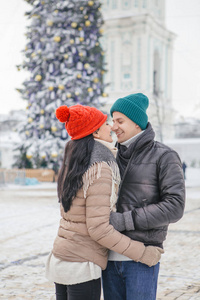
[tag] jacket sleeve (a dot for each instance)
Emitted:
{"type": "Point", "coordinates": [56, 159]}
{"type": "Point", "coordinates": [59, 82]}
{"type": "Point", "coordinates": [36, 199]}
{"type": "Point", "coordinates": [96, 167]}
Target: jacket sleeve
{"type": "Point", "coordinates": [97, 218]}
{"type": "Point", "coordinates": [170, 207]}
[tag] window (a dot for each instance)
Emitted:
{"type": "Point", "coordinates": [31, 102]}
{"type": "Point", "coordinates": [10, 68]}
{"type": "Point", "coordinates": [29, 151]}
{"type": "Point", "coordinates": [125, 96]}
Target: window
{"type": "Point", "coordinates": [114, 4]}
{"type": "Point", "coordinates": [156, 74]}
{"type": "Point", "coordinates": [112, 65]}
{"type": "Point", "coordinates": [139, 63]}
{"type": "Point", "coordinates": [127, 75]}
{"type": "Point", "coordinates": [126, 3]}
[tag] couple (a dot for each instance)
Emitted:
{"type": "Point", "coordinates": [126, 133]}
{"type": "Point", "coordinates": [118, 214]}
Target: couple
{"type": "Point", "coordinates": [145, 182]}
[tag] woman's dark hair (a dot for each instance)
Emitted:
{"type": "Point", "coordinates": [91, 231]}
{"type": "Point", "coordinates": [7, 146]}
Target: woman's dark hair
{"type": "Point", "coordinates": [75, 164]}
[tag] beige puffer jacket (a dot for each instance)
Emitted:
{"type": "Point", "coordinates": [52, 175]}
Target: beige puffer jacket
{"type": "Point", "coordinates": [85, 233]}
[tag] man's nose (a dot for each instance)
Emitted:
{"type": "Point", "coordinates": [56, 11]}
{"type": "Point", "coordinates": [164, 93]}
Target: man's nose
{"type": "Point", "coordinates": [114, 127]}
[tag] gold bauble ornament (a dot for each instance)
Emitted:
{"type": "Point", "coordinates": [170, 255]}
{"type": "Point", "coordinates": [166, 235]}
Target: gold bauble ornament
{"type": "Point", "coordinates": [87, 23]}
{"type": "Point", "coordinates": [54, 154]}
{"type": "Point", "coordinates": [79, 76]}
{"type": "Point", "coordinates": [81, 8]}
{"type": "Point", "coordinates": [49, 23]}
{"type": "Point", "coordinates": [42, 2]}
{"type": "Point", "coordinates": [90, 3]}
{"type": "Point", "coordinates": [90, 89]}
{"type": "Point", "coordinates": [102, 72]}
{"type": "Point", "coordinates": [43, 155]}
{"type": "Point", "coordinates": [27, 132]}
{"type": "Point", "coordinates": [86, 66]}
{"type": "Point", "coordinates": [29, 156]}
{"type": "Point", "coordinates": [42, 111]}
{"type": "Point", "coordinates": [38, 77]}
{"type": "Point", "coordinates": [33, 54]}
{"type": "Point", "coordinates": [95, 80]}
{"type": "Point", "coordinates": [80, 54]}
{"type": "Point", "coordinates": [101, 31]}
{"type": "Point", "coordinates": [69, 95]}
{"type": "Point", "coordinates": [80, 28]}
{"type": "Point", "coordinates": [97, 44]}
{"type": "Point", "coordinates": [57, 39]}
{"type": "Point", "coordinates": [50, 88]}
{"type": "Point", "coordinates": [86, 17]}
{"type": "Point", "coordinates": [41, 126]}
{"type": "Point", "coordinates": [105, 95]}
{"type": "Point", "coordinates": [81, 39]}
{"type": "Point", "coordinates": [56, 11]}
{"type": "Point", "coordinates": [26, 48]}
{"type": "Point", "coordinates": [66, 56]}
{"type": "Point", "coordinates": [77, 93]}
{"type": "Point", "coordinates": [53, 128]}
{"type": "Point", "coordinates": [71, 41]}
{"type": "Point", "coordinates": [102, 53]}
{"type": "Point", "coordinates": [61, 87]}
{"type": "Point", "coordinates": [30, 120]}
{"type": "Point", "coordinates": [73, 24]}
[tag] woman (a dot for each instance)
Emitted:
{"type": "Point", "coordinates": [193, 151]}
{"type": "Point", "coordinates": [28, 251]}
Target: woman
{"type": "Point", "coordinates": [87, 190]}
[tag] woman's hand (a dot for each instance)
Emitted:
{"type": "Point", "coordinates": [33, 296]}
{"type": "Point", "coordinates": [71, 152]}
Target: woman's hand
{"type": "Point", "coordinates": [151, 255]}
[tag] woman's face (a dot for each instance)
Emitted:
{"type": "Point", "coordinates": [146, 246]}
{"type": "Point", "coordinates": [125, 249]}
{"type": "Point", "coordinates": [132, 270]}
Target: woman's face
{"type": "Point", "coordinates": [104, 133]}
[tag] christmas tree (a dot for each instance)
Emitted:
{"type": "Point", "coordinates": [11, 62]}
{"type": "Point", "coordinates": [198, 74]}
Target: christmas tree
{"type": "Point", "coordinates": [65, 61]}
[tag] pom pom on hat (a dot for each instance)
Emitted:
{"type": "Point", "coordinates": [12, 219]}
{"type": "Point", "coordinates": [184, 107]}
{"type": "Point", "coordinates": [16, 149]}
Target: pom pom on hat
{"type": "Point", "coordinates": [62, 113]}
{"type": "Point", "coordinates": [80, 120]}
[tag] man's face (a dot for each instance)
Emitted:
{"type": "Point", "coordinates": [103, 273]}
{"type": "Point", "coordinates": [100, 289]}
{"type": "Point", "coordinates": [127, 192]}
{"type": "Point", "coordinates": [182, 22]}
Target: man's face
{"type": "Point", "coordinates": [123, 127]}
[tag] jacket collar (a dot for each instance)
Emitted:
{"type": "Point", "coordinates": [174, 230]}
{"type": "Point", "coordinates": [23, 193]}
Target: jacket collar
{"type": "Point", "coordinates": [143, 140]}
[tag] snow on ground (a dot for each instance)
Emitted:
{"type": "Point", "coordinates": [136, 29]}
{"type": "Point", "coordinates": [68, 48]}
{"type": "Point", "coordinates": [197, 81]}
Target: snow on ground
{"type": "Point", "coordinates": [192, 177]}
{"type": "Point", "coordinates": [29, 217]}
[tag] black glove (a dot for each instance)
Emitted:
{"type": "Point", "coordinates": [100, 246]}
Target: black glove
{"type": "Point", "coordinates": [122, 221]}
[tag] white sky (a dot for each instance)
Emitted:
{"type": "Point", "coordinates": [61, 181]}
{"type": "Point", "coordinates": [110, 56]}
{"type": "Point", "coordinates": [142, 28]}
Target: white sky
{"type": "Point", "coordinates": [182, 18]}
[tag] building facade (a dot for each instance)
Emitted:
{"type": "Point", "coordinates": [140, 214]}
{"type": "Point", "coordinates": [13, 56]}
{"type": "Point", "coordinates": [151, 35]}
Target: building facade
{"type": "Point", "coordinates": [139, 50]}
{"type": "Point", "coordinates": [9, 137]}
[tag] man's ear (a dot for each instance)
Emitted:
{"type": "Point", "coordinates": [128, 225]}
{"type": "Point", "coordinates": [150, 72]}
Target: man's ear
{"type": "Point", "coordinates": [138, 127]}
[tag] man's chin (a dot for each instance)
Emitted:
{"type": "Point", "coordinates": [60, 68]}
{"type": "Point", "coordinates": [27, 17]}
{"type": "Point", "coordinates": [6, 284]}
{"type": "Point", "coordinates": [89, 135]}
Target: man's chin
{"type": "Point", "coordinates": [120, 141]}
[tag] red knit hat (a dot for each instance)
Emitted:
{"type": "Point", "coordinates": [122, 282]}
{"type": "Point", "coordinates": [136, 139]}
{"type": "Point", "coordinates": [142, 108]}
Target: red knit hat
{"type": "Point", "coordinates": [80, 120]}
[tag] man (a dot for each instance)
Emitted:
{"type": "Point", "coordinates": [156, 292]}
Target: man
{"type": "Point", "coordinates": [151, 196]}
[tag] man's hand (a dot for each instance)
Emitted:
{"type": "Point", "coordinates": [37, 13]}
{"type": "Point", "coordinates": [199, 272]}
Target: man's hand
{"type": "Point", "coordinates": [122, 221]}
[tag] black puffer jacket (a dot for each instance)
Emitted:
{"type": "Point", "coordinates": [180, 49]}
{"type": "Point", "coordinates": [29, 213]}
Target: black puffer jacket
{"type": "Point", "coordinates": [152, 187]}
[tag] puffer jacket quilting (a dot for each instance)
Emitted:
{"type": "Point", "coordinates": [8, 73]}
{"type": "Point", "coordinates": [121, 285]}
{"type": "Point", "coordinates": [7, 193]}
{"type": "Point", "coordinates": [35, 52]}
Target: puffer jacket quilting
{"type": "Point", "coordinates": [153, 188]}
{"type": "Point", "coordinates": [84, 232]}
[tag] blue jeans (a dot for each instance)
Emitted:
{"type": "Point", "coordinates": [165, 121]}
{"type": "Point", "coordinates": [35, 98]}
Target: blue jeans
{"type": "Point", "coordinates": [129, 280]}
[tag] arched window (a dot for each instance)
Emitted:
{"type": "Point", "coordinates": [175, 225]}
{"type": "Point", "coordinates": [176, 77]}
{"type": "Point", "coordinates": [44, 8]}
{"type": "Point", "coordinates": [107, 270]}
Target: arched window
{"type": "Point", "coordinates": [156, 73]}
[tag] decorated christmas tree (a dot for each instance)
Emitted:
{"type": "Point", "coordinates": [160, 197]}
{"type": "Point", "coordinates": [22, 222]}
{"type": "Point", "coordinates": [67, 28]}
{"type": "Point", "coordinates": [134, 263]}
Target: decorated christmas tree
{"type": "Point", "coordinates": [64, 59]}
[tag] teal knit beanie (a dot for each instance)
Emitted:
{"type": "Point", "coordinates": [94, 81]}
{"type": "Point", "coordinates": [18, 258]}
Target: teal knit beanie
{"type": "Point", "coordinates": [134, 107]}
